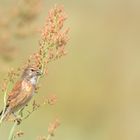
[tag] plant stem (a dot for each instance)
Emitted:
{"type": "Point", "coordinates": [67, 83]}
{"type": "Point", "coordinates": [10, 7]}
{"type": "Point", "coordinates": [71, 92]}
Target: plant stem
{"type": "Point", "coordinates": [11, 134]}
{"type": "Point", "coordinates": [4, 107]}
{"type": "Point", "coordinates": [48, 137]}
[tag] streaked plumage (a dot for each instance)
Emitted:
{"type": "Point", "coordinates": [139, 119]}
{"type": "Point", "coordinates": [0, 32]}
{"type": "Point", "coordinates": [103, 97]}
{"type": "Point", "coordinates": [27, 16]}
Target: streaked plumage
{"type": "Point", "coordinates": [23, 91]}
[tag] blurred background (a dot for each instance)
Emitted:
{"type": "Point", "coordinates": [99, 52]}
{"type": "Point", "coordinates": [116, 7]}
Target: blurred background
{"type": "Point", "coordinates": [96, 83]}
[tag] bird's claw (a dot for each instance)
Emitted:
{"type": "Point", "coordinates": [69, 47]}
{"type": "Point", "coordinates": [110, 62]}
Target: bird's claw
{"type": "Point", "coordinates": [18, 120]}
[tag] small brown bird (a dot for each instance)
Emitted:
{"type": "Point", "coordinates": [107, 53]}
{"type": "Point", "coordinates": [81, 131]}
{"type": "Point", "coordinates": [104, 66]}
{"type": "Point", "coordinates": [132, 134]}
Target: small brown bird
{"type": "Point", "coordinates": [22, 92]}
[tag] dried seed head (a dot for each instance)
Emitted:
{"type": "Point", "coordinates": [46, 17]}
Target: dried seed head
{"type": "Point", "coordinates": [35, 105]}
{"type": "Point", "coordinates": [18, 134]}
{"type": "Point", "coordinates": [4, 85]}
{"type": "Point", "coordinates": [53, 40]}
{"type": "Point", "coordinates": [52, 100]}
{"type": "Point", "coordinates": [53, 126]}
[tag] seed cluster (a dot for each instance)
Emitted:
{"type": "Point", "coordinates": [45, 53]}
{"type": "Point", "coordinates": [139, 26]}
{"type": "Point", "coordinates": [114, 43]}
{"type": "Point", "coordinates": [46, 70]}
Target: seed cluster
{"type": "Point", "coordinates": [53, 39]}
{"type": "Point", "coordinates": [53, 126]}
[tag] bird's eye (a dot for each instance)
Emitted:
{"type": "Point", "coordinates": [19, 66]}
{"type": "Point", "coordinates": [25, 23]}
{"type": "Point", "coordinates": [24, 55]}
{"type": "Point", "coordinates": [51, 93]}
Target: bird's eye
{"type": "Point", "coordinates": [32, 70]}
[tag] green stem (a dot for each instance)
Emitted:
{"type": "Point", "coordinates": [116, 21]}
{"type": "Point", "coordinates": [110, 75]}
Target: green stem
{"type": "Point", "coordinates": [48, 137]}
{"type": "Point", "coordinates": [4, 107]}
{"type": "Point", "coordinates": [11, 134]}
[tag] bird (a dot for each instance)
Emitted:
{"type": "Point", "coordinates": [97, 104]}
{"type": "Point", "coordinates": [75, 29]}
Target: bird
{"type": "Point", "coordinates": [22, 91]}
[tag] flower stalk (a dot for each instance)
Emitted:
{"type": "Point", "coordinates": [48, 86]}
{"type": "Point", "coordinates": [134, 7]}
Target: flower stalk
{"type": "Point", "coordinates": [51, 47]}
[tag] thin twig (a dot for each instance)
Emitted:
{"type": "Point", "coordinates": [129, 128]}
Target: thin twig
{"type": "Point", "coordinates": [4, 107]}
{"type": "Point", "coordinates": [11, 134]}
{"type": "Point", "coordinates": [48, 137]}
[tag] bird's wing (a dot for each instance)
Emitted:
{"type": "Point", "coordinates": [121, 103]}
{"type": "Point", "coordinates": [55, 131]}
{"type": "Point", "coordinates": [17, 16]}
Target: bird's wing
{"type": "Point", "coordinates": [21, 98]}
{"type": "Point", "coordinates": [15, 91]}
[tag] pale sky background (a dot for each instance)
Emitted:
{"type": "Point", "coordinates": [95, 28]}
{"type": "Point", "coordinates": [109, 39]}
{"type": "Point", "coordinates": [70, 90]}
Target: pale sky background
{"type": "Point", "coordinates": [97, 83]}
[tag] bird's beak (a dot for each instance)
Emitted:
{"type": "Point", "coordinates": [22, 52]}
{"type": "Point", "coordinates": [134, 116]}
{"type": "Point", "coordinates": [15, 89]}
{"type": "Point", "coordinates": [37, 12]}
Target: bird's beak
{"type": "Point", "coordinates": [39, 72]}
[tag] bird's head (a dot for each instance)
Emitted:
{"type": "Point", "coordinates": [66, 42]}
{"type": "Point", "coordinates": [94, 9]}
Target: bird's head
{"type": "Point", "coordinates": [31, 73]}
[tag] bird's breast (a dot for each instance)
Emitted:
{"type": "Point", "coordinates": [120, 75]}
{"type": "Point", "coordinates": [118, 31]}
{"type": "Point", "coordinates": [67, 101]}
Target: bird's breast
{"type": "Point", "coordinates": [27, 86]}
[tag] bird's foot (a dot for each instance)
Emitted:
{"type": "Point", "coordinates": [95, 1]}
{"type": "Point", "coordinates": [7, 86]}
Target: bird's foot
{"type": "Point", "coordinates": [17, 119]}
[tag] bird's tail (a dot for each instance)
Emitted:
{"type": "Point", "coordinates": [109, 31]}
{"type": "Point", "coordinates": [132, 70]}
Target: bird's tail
{"type": "Point", "coordinates": [4, 114]}
{"type": "Point", "coordinates": [1, 112]}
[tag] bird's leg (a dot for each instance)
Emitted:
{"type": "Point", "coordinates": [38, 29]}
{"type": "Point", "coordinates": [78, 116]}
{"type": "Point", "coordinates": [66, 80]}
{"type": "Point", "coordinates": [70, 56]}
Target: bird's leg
{"type": "Point", "coordinates": [17, 118]}
{"type": "Point", "coordinates": [14, 114]}
{"type": "Point", "coordinates": [21, 112]}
